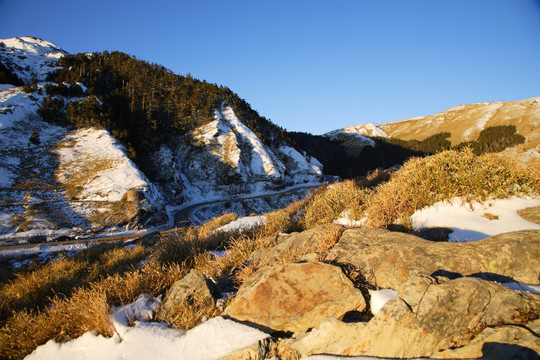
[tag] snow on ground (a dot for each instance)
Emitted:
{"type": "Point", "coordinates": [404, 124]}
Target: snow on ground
{"type": "Point", "coordinates": [22, 257]}
{"type": "Point", "coordinates": [300, 166]}
{"type": "Point", "coordinates": [212, 339]}
{"type": "Point", "coordinates": [369, 129]}
{"type": "Point", "coordinates": [358, 138]}
{"type": "Point", "coordinates": [380, 297]}
{"type": "Point", "coordinates": [30, 58]}
{"type": "Point", "coordinates": [112, 173]}
{"type": "Point", "coordinates": [263, 162]}
{"type": "Point", "coordinates": [489, 110]}
{"type": "Point", "coordinates": [243, 224]}
{"type": "Point", "coordinates": [476, 221]}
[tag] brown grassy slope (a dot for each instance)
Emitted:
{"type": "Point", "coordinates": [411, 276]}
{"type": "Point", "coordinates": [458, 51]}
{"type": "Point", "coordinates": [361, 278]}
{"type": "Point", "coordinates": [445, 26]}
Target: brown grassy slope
{"type": "Point", "coordinates": [465, 122]}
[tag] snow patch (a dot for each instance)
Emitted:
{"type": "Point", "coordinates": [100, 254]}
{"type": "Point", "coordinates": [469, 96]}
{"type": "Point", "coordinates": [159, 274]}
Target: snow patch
{"type": "Point", "coordinates": [263, 162]}
{"type": "Point", "coordinates": [112, 173]}
{"type": "Point", "coordinates": [378, 298]}
{"type": "Point", "coordinates": [30, 58]}
{"type": "Point", "coordinates": [369, 129]}
{"type": "Point", "coordinates": [345, 219]}
{"type": "Point", "coordinates": [476, 221]}
{"type": "Point", "coordinates": [212, 339]}
{"type": "Point", "coordinates": [489, 110]}
{"type": "Point", "coordinates": [243, 224]}
{"type": "Point", "coordinates": [298, 165]}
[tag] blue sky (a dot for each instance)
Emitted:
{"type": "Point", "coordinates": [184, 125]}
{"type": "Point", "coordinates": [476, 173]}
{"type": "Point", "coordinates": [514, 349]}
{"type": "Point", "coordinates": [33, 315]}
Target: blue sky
{"type": "Point", "coordinates": [314, 66]}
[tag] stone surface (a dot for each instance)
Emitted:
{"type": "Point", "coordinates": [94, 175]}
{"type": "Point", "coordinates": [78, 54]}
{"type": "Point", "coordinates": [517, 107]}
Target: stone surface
{"type": "Point", "coordinates": [294, 243]}
{"type": "Point", "coordinates": [504, 342]}
{"type": "Point", "coordinates": [531, 214]}
{"type": "Point", "coordinates": [332, 336]}
{"type": "Point", "coordinates": [295, 297]}
{"type": "Point", "coordinates": [191, 289]}
{"type": "Point", "coordinates": [388, 259]}
{"type": "Point", "coordinates": [429, 317]}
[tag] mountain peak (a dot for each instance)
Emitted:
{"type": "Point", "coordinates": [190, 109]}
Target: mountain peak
{"type": "Point", "coordinates": [30, 58]}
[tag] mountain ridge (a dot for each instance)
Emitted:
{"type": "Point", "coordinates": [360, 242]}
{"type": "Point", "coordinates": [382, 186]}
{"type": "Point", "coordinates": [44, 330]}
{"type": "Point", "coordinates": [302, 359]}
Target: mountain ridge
{"type": "Point", "coordinates": [465, 123]}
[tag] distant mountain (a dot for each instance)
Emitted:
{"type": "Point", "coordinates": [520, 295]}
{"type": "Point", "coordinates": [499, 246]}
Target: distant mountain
{"type": "Point", "coordinates": [465, 123]}
{"type": "Point", "coordinates": [102, 140]}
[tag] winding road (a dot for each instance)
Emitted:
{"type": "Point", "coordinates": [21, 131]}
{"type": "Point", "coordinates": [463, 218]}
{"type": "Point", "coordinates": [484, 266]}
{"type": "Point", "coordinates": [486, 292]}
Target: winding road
{"type": "Point", "coordinates": [182, 218]}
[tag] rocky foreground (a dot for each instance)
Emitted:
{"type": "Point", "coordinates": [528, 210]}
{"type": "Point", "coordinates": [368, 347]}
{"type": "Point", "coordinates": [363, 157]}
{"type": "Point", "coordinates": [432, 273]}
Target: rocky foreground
{"type": "Point", "coordinates": [447, 300]}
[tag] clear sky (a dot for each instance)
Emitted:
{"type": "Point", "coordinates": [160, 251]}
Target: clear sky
{"type": "Point", "coordinates": [313, 65]}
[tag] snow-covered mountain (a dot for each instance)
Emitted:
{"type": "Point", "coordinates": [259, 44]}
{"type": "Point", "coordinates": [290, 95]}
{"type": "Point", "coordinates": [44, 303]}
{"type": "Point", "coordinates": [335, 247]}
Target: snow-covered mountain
{"type": "Point", "coordinates": [355, 138]}
{"type": "Point", "coordinates": [369, 129]}
{"type": "Point", "coordinates": [225, 158]}
{"type": "Point", "coordinates": [30, 58]}
{"type": "Point", "coordinates": [55, 177]}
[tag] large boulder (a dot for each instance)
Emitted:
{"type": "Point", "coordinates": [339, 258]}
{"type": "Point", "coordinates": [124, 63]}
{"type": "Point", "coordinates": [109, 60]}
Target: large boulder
{"type": "Point", "coordinates": [193, 290]}
{"type": "Point", "coordinates": [429, 317]}
{"type": "Point", "coordinates": [295, 297]}
{"type": "Point", "coordinates": [388, 259]}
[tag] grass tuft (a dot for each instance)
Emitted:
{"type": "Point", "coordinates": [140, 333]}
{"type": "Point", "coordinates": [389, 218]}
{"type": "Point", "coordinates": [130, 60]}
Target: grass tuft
{"type": "Point", "coordinates": [424, 181]}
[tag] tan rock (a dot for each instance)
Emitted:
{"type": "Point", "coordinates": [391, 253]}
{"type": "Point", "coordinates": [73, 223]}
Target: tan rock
{"type": "Point", "coordinates": [296, 243]}
{"type": "Point", "coordinates": [388, 259]}
{"type": "Point", "coordinates": [295, 297]}
{"type": "Point", "coordinates": [192, 289]}
{"type": "Point", "coordinates": [531, 214]}
{"type": "Point", "coordinates": [503, 342]}
{"type": "Point", "coordinates": [430, 317]}
{"type": "Point", "coordinates": [332, 336]}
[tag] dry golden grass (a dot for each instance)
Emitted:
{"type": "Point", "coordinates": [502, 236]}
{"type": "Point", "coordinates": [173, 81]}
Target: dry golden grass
{"type": "Point", "coordinates": [284, 220]}
{"type": "Point", "coordinates": [187, 316]}
{"type": "Point", "coordinates": [424, 181]}
{"type": "Point", "coordinates": [238, 250]}
{"type": "Point", "coordinates": [65, 298]}
{"type": "Point", "coordinates": [326, 205]}
{"type": "Point", "coordinates": [68, 297]}
{"type": "Point", "coordinates": [207, 228]}
{"type": "Point", "coordinates": [87, 309]}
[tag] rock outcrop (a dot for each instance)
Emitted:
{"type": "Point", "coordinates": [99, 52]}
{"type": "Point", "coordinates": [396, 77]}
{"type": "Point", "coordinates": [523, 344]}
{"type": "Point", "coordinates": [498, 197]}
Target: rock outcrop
{"type": "Point", "coordinates": [429, 317]}
{"type": "Point", "coordinates": [388, 259]}
{"type": "Point", "coordinates": [449, 304]}
{"type": "Point", "coordinates": [295, 297]}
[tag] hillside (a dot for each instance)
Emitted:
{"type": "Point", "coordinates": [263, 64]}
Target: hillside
{"type": "Point", "coordinates": [104, 140]}
{"type": "Point", "coordinates": [465, 123]}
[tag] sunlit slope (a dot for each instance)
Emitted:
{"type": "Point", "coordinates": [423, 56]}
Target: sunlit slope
{"type": "Point", "coordinates": [465, 122]}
